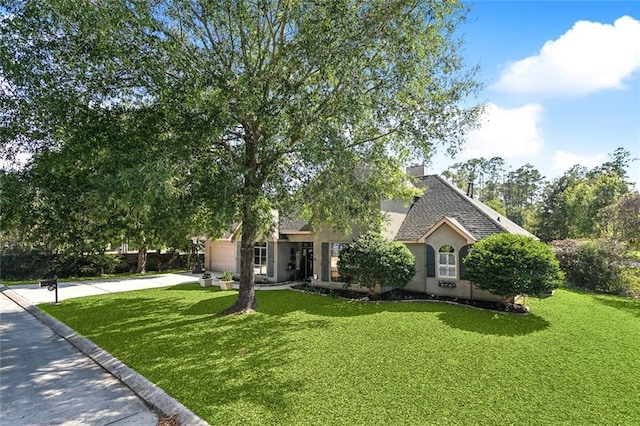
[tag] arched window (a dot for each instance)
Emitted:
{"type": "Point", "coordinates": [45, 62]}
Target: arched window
{"type": "Point", "coordinates": [446, 262]}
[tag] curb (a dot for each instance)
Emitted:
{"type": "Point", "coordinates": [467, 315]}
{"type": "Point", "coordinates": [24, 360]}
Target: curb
{"type": "Point", "coordinates": [150, 393]}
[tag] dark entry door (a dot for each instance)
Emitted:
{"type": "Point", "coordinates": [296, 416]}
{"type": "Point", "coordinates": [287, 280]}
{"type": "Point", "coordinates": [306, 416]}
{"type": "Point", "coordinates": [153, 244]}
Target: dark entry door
{"type": "Point", "coordinates": [307, 262]}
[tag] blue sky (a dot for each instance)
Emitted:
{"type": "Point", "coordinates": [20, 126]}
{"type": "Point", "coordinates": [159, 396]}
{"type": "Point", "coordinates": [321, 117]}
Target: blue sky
{"type": "Point", "coordinates": [562, 83]}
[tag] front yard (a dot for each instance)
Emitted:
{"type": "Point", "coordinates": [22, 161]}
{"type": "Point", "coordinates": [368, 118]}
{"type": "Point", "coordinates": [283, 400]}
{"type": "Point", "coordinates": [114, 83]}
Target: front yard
{"type": "Point", "coordinates": [307, 359]}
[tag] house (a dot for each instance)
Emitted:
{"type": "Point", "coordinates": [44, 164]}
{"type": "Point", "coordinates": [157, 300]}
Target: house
{"type": "Point", "coordinates": [439, 227]}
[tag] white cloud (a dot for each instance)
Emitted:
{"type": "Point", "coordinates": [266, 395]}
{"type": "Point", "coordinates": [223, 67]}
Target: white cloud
{"type": "Point", "coordinates": [589, 57]}
{"type": "Point", "coordinates": [507, 133]}
{"type": "Point", "coordinates": [563, 161]}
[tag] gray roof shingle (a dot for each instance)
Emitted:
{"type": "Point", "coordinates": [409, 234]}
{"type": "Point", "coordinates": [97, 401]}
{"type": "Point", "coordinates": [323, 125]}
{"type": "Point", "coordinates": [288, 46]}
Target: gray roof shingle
{"type": "Point", "coordinates": [295, 224]}
{"type": "Point", "coordinates": [442, 198]}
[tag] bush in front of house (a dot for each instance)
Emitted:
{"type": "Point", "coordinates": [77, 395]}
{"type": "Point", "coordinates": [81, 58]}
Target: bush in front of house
{"type": "Point", "coordinates": [510, 265]}
{"type": "Point", "coordinates": [373, 259]}
{"type": "Point", "coordinates": [599, 265]}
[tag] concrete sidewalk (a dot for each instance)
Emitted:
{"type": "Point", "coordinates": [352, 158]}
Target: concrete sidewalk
{"type": "Point", "coordinates": [45, 380]}
{"type": "Point", "coordinates": [50, 375]}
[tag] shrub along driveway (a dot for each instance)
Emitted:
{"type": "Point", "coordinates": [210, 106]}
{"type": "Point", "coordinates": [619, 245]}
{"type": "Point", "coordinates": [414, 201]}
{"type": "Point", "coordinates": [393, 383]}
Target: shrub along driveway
{"type": "Point", "coordinates": [306, 359]}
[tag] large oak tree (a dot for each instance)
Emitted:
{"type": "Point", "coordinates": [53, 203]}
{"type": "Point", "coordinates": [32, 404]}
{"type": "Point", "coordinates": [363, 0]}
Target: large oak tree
{"type": "Point", "coordinates": [269, 104]}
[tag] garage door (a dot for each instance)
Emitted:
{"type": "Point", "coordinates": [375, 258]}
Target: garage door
{"type": "Point", "coordinates": [222, 255]}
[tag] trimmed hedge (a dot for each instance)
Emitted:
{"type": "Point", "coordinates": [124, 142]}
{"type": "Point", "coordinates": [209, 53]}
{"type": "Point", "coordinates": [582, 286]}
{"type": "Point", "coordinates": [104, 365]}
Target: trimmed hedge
{"type": "Point", "coordinates": [509, 265]}
{"type": "Point", "coordinates": [35, 264]}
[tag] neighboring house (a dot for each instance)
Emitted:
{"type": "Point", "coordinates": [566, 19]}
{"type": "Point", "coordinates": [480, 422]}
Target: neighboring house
{"type": "Point", "coordinates": [439, 228]}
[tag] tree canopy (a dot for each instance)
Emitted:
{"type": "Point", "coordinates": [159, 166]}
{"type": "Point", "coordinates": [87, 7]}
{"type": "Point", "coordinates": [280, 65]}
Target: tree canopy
{"type": "Point", "coordinates": [578, 204]}
{"type": "Point", "coordinates": [575, 205]}
{"type": "Point", "coordinates": [266, 104]}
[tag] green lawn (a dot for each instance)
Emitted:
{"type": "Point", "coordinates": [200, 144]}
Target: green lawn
{"type": "Point", "coordinates": [307, 359]}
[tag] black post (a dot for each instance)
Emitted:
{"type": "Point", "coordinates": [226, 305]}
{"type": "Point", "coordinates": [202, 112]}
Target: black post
{"type": "Point", "coordinates": [55, 283]}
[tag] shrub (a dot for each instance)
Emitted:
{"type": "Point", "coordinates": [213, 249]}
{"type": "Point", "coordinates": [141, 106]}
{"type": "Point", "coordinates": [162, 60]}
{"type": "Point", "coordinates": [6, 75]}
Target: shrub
{"type": "Point", "coordinates": [372, 259]}
{"type": "Point", "coordinates": [509, 265]}
{"type": "Point", "coordinates": [599, 265]}
{"type": "Point", "coordinates": [39, 263]}
{"type": "Point", "coordinates": [628, 282]}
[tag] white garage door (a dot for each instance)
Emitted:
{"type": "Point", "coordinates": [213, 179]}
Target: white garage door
{"type": "Point", "coordinates": [222, 255]}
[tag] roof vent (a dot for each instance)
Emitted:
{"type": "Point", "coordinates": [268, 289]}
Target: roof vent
{"type": "Point", "coordinates": [470, 189]}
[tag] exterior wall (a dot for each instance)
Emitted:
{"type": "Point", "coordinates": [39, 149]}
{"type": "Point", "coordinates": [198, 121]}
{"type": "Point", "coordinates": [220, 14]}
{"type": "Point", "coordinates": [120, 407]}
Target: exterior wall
{"type": "Point", "coordinates": [220, 255]}
{"type": "Point", "coordinates": [418, 283]}
{"type": "Point", "coordinates": [483, 294]}
{"type": "Point", "coordinates": [463, 288]}
{"type": "Point", "coordinates": [327, 235]}
{"type": "Point", "coordinates": [395, 213]}
{"type": "Point", "coordinates": [445, 235]}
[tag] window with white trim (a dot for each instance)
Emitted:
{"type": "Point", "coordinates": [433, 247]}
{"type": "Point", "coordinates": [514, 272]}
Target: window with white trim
{"type": "Point", "coordinates": [446, 262]}
{"type": "Point", "coordinates": [260, 258]}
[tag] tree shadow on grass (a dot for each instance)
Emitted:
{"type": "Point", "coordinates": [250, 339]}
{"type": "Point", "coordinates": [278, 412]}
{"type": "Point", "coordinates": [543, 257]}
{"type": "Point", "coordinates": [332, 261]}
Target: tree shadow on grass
{"type": "Point", "coordinates": [209, 363]}
{"type": "Point", "coordinates": [496, 324]}
{"type": "Point", "coordinates": [630, 306]}
{"type": "Point", "coordinates": [279, 303]}
{"type": "Point", "coordinates": [216, 364]}
{"type": "Point", "coordinates": [460, 317]}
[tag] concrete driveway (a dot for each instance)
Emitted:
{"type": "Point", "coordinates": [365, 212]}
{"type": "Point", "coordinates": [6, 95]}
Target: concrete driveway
{"type": "Point", "coordinates": [68, 290]}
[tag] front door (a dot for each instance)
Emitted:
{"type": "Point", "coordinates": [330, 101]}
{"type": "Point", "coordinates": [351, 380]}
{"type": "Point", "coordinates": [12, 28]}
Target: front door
{"type": "Point", "coordinates": [306, 265]}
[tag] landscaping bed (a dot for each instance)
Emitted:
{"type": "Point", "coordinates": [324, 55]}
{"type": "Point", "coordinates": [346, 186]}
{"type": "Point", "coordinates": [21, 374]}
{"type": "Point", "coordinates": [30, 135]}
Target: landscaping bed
{"type": "Point", "coordinates": [397, 295]}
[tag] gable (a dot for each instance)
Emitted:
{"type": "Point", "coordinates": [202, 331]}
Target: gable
{"type": "Point", "coordinates": [445, 234]}
{"type": "Point", "coordinates": [451, 229]}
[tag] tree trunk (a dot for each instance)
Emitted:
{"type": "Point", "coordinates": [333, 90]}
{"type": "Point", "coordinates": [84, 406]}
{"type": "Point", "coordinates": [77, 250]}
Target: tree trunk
{"type": "Point", "coordinates": [250, 217]}
{"type": "Point", "coordinates": [247, 294]}
{"type": "Point", "coordinates": [158, 253]}
{"type": "Point", "coordinates": [142, 259]}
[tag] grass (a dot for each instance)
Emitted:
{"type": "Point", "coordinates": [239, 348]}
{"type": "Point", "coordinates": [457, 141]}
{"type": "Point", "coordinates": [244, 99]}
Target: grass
{"type": "Point", "coordinates": [307, 359]}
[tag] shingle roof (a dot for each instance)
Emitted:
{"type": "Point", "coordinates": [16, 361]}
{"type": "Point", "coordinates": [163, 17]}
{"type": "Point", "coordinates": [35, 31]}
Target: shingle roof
{"type": "Point", "coordinates": [442, 198]}
{"type": "Point", "coordinates": [296, 224]}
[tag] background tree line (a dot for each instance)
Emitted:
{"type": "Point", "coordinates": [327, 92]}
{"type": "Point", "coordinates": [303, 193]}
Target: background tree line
{"type": "Point", "coordinates": [582, 203]}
